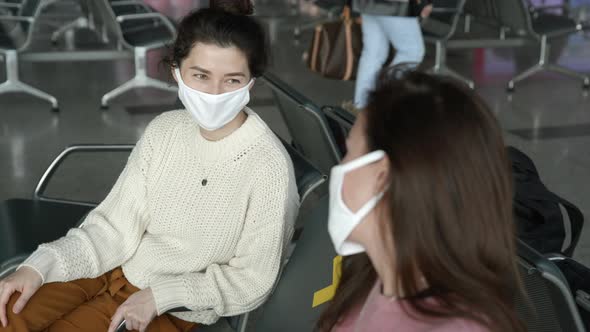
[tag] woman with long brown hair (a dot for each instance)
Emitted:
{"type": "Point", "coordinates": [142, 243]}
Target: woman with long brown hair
{"type": "Point", "coordinates": [421, 208]}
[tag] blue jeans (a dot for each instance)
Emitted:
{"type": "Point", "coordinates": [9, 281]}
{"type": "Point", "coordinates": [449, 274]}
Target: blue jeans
{"type": "Point", "coordinates": [379, 33]}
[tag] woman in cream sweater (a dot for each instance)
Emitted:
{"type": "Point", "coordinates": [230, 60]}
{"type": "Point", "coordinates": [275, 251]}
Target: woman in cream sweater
{"type": "Point", "coordinates": [199, 218]}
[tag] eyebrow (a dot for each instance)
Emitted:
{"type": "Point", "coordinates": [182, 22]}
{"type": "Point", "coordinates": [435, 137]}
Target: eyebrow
{"type": "Point", "coordinates": [200, 69]}
{"type": "Point", "coordinates": [236, 74]}
{"type": "Point", "coordinates": [203, 70]}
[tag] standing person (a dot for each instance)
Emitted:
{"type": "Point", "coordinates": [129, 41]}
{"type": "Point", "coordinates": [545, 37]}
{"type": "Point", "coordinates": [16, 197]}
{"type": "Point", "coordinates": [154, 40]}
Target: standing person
{"type": "Point", "coordinates": [387, 23]}
{"type": "Point", "coordinates": [421, 208]}
{"type": "Point", "coordinates": [199, 218]}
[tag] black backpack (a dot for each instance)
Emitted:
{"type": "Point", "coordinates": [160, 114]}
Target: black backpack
{"type": "Point", "coordinates": [538, 217]}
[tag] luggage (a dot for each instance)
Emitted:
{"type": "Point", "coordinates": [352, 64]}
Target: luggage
{"type": "Point", "coordinates": [538, 216]}
{"type": "Point", "coordinates": [336, 47]}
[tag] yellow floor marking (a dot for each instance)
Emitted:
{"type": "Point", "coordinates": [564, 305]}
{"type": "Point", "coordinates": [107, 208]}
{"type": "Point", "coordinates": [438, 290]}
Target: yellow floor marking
{"type": "Point", "coordinates": [324, 295]}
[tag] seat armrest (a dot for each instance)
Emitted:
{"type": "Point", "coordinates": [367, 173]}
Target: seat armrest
{"type": "Point", "coordinates": [445, 10]}
{"type": "Point", "coordinates": [129, 3]}
{"type": "Point", "coordinates": [26, 19]}
{"type": "Point", "coordinates": [548, 7]}
{"type": "Point", "coordinates": [56, 163]}
{"type": "Point", "coordinates": [122, 328]}
{"type": "Point", "coordinates": [143, 16]}
{"type": "Point", "coordinates": [10, 5]}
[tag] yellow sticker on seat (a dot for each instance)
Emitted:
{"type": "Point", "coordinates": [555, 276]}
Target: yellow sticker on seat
{"type": "Point", "coordinates": [324, 295]}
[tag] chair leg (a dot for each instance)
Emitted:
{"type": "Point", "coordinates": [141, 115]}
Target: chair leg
{"type": "Point", "coordinates": [524, 75]}
{"type": "Point", "coordinates": [140, 80]}
{"type": "Point", "coordinates": [568, 72]}
{"type": "Point", "coordinates": [39, 94]}
{"type": "Point", "coordinates": [446, 71]}
{"type": "Point", "coordinates": [544, 64]}
{"type": "Point", "coordinates": [243, 322]}
{"type": "Point", "coordinates": [440, 66]}
{"type": "Point", "coordinates": [123, 88]}
{"type": "Point", "coordinates": [13, 83]}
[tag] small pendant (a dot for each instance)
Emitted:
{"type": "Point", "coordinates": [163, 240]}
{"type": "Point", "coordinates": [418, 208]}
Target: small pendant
{"type": "Point", "coordinates": [204, 182]}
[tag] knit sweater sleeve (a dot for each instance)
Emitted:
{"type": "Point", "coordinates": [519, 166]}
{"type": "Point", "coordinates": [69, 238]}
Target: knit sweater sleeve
{"type": "Point", "coordinates": [110, 233]}
{"type": "Point", "coordinates": [247, 279]}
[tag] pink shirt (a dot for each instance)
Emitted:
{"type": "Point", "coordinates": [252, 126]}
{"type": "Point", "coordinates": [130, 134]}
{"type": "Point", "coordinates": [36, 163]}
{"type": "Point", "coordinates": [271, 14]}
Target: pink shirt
{"type": "Point", "coordinates": [381, 313]}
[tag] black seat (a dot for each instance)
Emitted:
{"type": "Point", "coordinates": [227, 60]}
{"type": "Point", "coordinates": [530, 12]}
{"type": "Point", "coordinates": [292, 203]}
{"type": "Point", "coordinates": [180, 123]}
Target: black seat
{"type": "Point", "coordinates": [308, 177]}
{"type": "Point", "coordinates": [307, 283]}
{"type": "Point", "coordinates": [340, 121]}
{"type": "Point", "coordinates": [553, 25]}
{"type": "Point", "coordinates": [141, 32]}
{"type": "Point", "coordinates": [5, 41]}
{"type": "Point", "coordinates": [27, 223]}
{"type": "Point", "coordinates": [143, 37]}
{"type": "Point", "coordinates": [307, 124]}
{"type": "Point", "coordinates": [549, 304]}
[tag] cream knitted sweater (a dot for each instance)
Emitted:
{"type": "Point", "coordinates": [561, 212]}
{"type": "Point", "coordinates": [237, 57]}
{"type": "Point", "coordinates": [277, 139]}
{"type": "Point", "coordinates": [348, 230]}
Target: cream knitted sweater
{"type": "Point", "coordinates": [215, 248]}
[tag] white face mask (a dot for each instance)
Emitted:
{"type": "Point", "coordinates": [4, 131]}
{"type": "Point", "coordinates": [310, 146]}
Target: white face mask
{"type": "Point", "coordinates": [342, 221]}
{"type": "Point", "coordinates": [212, 111]}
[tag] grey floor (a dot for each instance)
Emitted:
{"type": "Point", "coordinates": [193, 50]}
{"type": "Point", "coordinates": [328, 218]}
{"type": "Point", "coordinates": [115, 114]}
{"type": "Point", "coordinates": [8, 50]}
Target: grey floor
{"type": "Point", "coordinates": [548, 117]}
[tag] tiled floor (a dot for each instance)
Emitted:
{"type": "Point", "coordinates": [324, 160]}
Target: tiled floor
{"type": "Point", "coordinates": [548, 116]}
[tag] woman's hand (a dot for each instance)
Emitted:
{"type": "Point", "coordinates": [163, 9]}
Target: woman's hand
{"type": "Point", "coordinates": [138, 311]}
{"type": "Point", "coordinates": [426, 11]}
{"type": "Point", "coordinates": [25, 281]}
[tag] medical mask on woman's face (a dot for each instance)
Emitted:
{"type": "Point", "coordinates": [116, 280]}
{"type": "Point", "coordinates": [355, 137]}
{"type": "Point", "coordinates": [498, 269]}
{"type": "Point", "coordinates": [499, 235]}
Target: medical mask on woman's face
{"type": "Point", "coordinates": [341, 220]}
{"type": "Point", "coordinates": [212, 111]}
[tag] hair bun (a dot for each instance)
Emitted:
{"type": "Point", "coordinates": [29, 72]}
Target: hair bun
{"type": "Point", "coordinates": [236, 7]}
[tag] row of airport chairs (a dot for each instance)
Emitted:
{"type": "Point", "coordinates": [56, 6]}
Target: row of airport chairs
{"type": "Point", "coordinates": [307, 280]}
{"type": "Point", "coordinates": [461, 24]}
{"type": "Point", "coordinates": [134, 25]}
{"type": "Point", "coordinates": [452, 25]}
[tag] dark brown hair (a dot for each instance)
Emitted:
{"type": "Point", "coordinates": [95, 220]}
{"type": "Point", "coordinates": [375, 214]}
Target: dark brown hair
{"type": "Point", "coordinates": [225, 24]}
{"type": "Point", "coordinates": [448, 211]}
{"type": "Point", "coordinates": [237, 7]}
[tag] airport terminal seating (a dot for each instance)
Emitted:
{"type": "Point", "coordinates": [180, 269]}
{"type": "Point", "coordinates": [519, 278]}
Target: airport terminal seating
{"type": "Point", "coordinates": [541, 26]}
{"type": "Point", "coordinates": [549, 304]}
{"type": "Point", "coordinates": [139, 29]}
{"type": "Point", "coordinates": [498, 24]}
{"type": "Point", "coordinates": [18, 21]}
{"type": "Point", "coordinates": [26, 223]}
{"type": "Point", "coordinates": [308, 126]}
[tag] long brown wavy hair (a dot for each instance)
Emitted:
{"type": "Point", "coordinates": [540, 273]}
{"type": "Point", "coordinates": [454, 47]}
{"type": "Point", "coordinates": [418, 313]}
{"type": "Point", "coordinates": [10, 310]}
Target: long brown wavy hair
{"type": "Point", "coordinates": [448, 211]}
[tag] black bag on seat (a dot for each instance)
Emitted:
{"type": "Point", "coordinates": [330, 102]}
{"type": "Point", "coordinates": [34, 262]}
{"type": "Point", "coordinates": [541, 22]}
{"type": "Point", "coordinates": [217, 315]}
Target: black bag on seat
{"type": "Point", "coordinates": [539, 220]}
